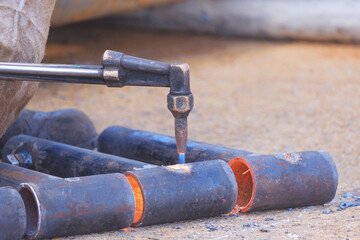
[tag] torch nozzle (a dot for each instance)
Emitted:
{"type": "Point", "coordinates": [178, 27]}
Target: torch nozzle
{"type": "Point", "coordinates": [181, 137]}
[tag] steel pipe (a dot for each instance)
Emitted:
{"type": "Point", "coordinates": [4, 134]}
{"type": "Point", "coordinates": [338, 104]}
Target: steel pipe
{"type": "Point", "coordinates": [158, 149]}
{"type": "Point", "coordinates": [284, 180]}
{"type": "Point", "coordinates": [63, 160]}
{"type": "Point", "coordinates": [12, 214]}
{"type": "Point", "coordinates": [13, 176]}
{"type": "Point", "coordinates": [264, 181]}
{"type": "Point", "coordinates": [59, 207]}
{"type": "Point", "coordinates": [191, 187]}
{"type": "Point", "coordinates": [72, 206]}
{"type": "Point", "coordinates": [183, 192]}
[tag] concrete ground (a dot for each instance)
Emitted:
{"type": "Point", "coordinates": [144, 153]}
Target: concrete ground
{"type": "Point", "coordinates": [264, 97]}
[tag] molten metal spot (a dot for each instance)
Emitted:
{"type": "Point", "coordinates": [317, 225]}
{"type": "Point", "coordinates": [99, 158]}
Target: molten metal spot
{"type": "Point", "coordinates": [139, 202]}
{"type": "Point", "coordinates": [126, 229]}
{"type": "Point", "coordinates": [181, 167]}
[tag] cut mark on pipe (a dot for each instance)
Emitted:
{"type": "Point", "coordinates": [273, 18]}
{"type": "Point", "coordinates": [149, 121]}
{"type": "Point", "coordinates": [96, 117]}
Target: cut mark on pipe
{"type": "Point", "coordinates": [181, 158]}
{"type": "Point", "coordinates": [32, 207]}
{"type": "Point", "coordinates": [139, 200]}
{"type": "Point", "coordinates": [246, 185]}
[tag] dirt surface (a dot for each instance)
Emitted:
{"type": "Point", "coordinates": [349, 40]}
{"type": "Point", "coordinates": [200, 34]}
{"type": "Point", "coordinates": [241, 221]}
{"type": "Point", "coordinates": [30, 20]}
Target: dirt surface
{"type": "Point", "coordinates": [264, 97]}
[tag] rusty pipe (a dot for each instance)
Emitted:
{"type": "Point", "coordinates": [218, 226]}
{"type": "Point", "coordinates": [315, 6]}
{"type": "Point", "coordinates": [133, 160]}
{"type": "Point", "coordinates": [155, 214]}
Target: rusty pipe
{"type": "Point", "coordinates": [305, 178]}
{"type": "Point", "coordinates": [12, 214]}
{"type": "Point", "coordinates": [59, 207]}
{"type": "Point", "coordinates": [13, 176]}
{"type": "Point", "coordinates": [284, 180]}
{"type": "Point", "coordinates": [63, 160]}
{"type": "Point", "coordinates": [183, 192]}
{"type": "Point", "coordinates": [158, 149]}
{"type": "Point", "coordinates": [72, 206]}
{"type": "Point", "coordinates": [190, 186]}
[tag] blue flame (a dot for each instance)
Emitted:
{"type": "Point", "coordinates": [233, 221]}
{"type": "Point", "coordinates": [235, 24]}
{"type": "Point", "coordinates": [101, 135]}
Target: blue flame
{"type": "Point", "coordinates": [181, 158]}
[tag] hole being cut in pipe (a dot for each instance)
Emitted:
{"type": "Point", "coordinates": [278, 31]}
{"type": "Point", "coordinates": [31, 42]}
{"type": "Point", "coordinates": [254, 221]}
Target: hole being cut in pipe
{"type": "Point", "coordinates": [32, 210]}
{"type": "Point", "coordinates": [245, 181]}
{"type": "Point", "coordinates": [139, 201]}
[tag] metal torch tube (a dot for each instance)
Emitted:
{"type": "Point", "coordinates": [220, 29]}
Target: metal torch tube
{"type": "Point", "coordinates": [183, 192]}
{"type": "Point", "coordinates": [12, 214]}
{"type": "Point", "coordinates": [284, 180]}
{"type": "Point", "coordinates": [158, 149]}
{"type": "Point", "coordinates": [87, 74]}
{"type": "Point", "coordinates": [63, 207]}
{"type": "Point", "coordinates": [51, 70]}
{"type": "Point", "coordinates": [64, 160]}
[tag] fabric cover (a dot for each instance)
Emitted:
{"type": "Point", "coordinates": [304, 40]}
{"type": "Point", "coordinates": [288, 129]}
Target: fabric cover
{"type": "Point", "coordinates": [24, 28]}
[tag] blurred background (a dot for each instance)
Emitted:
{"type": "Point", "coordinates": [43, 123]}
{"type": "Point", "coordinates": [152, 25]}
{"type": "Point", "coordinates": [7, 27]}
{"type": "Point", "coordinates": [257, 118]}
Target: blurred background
{"type": "Point", "coordinates": [268, 76]}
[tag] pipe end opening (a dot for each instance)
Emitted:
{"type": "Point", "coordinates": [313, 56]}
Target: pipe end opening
{"type": "Point", "coordinates": [139, 199]}
{"type": "Point", "coordinates": [32, 210]}
{"type": "Point", "coordinates": [246, 185]}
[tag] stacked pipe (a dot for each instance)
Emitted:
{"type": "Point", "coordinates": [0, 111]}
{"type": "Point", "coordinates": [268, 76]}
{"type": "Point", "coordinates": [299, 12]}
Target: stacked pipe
{"type": "Point", "coordinates": [57, 207]}
{"type": "Point", "coordinates": [12, 214]}
{"type": "Point", "coordinates": [79, 205]}
{"type": "Point", "coordinates": [134, 193]}
{"type": "Point", "coordinates": [264, 181]}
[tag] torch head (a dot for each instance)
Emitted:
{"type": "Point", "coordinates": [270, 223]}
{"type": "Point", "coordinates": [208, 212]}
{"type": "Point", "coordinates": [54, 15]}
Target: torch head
{"type": "Point", "coordinates": [180, 102]}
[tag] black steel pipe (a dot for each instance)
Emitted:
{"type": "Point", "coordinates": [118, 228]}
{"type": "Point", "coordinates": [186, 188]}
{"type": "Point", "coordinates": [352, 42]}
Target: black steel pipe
{"type": "Point", "coordinates": [183, 192]}
{"type": "Point", "coordinates": [273, 181]}
{"type": "Point", "coordinates": [158, 149]}
{"type": "Point", "coordinates": [58, 207]}
{"type": "Point", "coordinates": [13, 176]}
{"type": "Point", "coordinates": [12, 214]}
{"type": "Point", "coordinates": [192, 186]}
{"type": "Point", "coordinates": [284, 180]}
{"type": "Point", "coordinates": [72, 206]}
{"type": "Point", "coordinates": [64, 160]}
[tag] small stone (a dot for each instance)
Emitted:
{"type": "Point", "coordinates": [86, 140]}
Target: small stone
{"type": "Point", "coordinates": [346, 195]}
{"type": "Point", "coordinates": [247, 225]}
{"type": "Point", "coordinates": [178, 228]}
{"type": "Point", "coordinates": [343, 205]}
{"type": "Point", "coordinates": [264, 230]}
{"type": "Point", "coordinates": [269, 219]}
{"type": "Point", "coordinates": [255, 224]}
{"type": "Point", "coordinates": [327, 212]}
{"type": "Point", "coordinates": [211, 228]}
{"type": "Point", "coordinates": [290, 209]}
